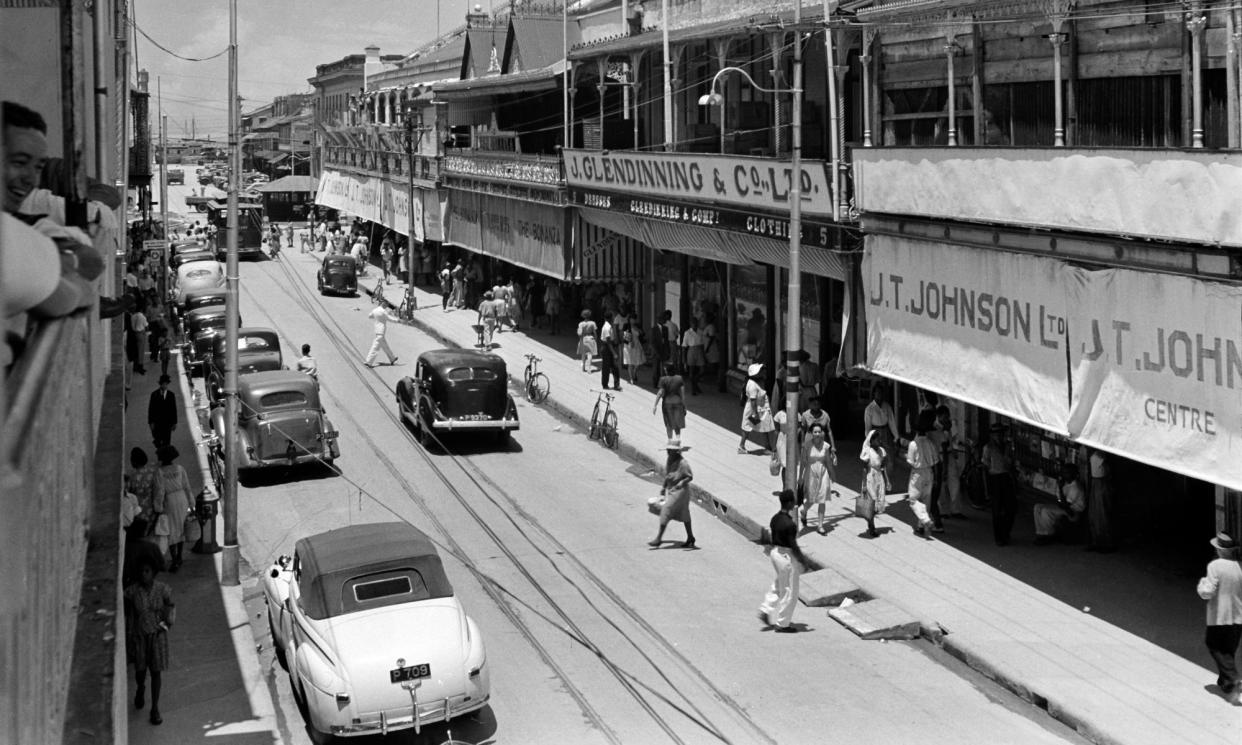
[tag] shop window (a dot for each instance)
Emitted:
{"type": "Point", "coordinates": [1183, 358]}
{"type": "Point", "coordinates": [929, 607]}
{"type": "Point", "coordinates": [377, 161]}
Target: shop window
{"type": "Point", "coordinates": [749, 295]}
{"type": "Point", "coordinates": [1131, 112]}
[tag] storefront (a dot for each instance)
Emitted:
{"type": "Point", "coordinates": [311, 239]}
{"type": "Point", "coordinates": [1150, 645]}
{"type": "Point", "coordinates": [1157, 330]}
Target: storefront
{"type": "Point", "coordinates": [1075, 358]}
{"type": "Point", "coordinates": [529, 235]}
{"type": "Point", "coordinates": [383, 202]}
{"type": "Point", "coordinates": [720, 227]}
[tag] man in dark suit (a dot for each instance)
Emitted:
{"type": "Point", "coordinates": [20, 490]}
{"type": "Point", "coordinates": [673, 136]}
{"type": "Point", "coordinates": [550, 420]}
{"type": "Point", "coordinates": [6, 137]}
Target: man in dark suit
{"type": "Point", "coordinates": [162, 413]}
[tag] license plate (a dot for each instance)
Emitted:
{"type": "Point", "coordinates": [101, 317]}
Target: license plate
{"type": "Point", "coordinates": [410, 672]}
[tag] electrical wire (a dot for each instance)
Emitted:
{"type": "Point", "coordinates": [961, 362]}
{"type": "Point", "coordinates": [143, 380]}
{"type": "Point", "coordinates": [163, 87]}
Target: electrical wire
{"type": "Point", "coordinates": [168, 51]}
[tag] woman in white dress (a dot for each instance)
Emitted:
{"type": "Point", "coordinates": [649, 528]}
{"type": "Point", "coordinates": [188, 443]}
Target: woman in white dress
{"type": "Point", "coordinates": [632, 355]}
{"type": "Point", "coordinates": [818, 459]}
{"type": "Point", "coordinates": [756, 411]}
{"type": "Point", "coordinates": [872, 500]}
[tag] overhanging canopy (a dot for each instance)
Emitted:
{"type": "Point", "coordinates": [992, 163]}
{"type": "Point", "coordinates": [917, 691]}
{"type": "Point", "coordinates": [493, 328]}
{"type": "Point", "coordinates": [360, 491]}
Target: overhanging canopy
{"type": "Point", "coordinates": [533, 81]}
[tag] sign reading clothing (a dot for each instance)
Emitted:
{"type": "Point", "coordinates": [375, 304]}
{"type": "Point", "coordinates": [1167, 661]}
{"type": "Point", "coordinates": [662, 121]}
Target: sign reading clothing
{"type": "Point", "coordinates": [371, 199]}
{"type": "Point", "coordinates": [528, 234]}
{"type": "Point", "coordinates": [1141, 364]}
{"type": "Point", "coordinates": [751, 183]}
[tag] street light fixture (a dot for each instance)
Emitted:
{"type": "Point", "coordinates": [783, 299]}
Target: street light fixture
{"type": "Point", "coordinates": [793, 331]}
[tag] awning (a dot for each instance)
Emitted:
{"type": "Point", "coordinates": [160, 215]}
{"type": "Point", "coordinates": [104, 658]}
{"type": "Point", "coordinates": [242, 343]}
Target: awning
{"type": "Point", "coordinates": [279, 158]}
{"type": "Point", "coordinates": [532, 81]}
{"type": "Point", "coordinates": [717, 245]}
{"type": "Point", "coordinates": [531, 235]}
{"type": "Point", "coordinates": [600, 255]}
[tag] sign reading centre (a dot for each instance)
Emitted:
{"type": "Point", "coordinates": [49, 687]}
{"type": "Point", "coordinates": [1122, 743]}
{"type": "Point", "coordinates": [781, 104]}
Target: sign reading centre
{"type": "Point", "coordinates": [1145, 365]}
{"type": "Point", "coordinates": [751, 183]}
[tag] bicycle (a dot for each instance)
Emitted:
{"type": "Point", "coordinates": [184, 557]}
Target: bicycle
{"type": "Point", "coordinates": [604, 423]}
{"type": "Point", "coordinates": [409, 304]}
{"type": "Point", "coordinates": [535, 383]}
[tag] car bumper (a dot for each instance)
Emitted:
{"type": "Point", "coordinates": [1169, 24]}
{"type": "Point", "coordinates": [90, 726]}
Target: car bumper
{"type": "Point", "coordinates": [429, 712]}
{"type": "Point", "coordinates": [454, 425]}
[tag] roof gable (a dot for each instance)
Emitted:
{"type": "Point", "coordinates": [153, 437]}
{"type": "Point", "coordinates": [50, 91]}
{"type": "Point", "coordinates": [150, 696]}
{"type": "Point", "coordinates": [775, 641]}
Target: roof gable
{"type": "Point", "coordinates": [532, 43]}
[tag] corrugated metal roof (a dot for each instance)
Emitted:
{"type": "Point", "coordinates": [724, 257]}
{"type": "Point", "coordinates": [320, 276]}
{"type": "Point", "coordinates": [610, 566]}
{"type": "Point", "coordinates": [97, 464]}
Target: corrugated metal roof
{"type": "Point", "coordinates": [653, 37]}
{"type": "Point", "coordinates": [536, 42]}
{"type": "Point", "coordinates": [290, 183]}
{"type": "Point", "coordinates": [544, 78]}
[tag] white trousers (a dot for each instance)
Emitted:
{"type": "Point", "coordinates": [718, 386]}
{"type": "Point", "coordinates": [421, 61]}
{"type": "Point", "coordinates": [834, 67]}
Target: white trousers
{"type": "Point", "coordinates": [778, 605]}
{"type": "Point", "coordinates": [376, 345]}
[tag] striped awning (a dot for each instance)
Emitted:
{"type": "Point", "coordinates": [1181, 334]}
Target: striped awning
{"type": "Point", "coordinates": [601, 255]}
{"type": "Point", "coordinates": [716, 245]}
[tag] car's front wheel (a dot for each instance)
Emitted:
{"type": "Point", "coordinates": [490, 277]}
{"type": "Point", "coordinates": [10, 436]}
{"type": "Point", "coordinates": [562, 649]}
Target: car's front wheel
{"type": "Point", "coordinates": [280, 650]}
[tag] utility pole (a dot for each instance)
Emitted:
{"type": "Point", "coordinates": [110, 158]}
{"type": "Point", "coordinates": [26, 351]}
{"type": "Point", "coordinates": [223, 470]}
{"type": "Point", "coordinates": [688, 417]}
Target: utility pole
{"type": "Point", "coordinates": [159, 104]}
{"type": "Point", "coordinates": [669, 135]}
{"type": "Point", "coordinates": [793, 329]}
{"type": "Point", "coordinates": [231, 558]}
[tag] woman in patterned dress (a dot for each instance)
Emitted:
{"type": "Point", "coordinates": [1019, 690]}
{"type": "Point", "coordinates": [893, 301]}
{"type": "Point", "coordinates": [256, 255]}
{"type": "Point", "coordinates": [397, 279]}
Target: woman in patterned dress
{"type": "Point", "coordinates": [676, 493]}
{"type": "Point", "coordinates": [150, 613]}
{"type": "Point", "coordinates": [142, 482]}
{"type": "Point", "coordinates": [818, 458]}
{"type": "Point", "coordinates": [172, 499]}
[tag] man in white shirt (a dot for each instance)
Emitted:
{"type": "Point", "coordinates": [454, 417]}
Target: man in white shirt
{"type": "Point", "coordinates": [381, 317]}
{"type": "Point", "coordinates": [1222, 589]}
{"type": "Point", "coordinates": [307, 364]}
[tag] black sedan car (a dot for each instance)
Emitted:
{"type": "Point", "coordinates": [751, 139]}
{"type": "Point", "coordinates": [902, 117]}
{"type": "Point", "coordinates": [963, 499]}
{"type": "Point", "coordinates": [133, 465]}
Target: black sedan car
{"type": "Point", "coordinates": [258, 350]}
{"type": "Point", "coordinates": [202, 325]}
{"type": "Point", "coordinates": [338, 275]}
{"type": "Point", "coordinates": [457, 390]}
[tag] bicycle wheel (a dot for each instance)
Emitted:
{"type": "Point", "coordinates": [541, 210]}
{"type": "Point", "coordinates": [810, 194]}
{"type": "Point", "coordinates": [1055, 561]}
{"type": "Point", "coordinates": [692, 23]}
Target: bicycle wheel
{"type": "Point", "coordinates": [609, 429]}
{"type": "Point", "coordinates": [593, 431]}
{"type": "Point", "coordinates": [538, 388]}
{"type": "Point", "coordinates": [526, 382]}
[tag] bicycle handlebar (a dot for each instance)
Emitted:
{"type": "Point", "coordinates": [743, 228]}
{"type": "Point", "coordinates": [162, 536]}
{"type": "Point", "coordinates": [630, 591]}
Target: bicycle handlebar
{"type": "Point", "coordinates": [533, 357]}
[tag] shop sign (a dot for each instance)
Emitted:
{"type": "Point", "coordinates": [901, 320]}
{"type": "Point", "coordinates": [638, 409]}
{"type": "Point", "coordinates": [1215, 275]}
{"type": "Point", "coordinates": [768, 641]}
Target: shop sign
{"type": "Point", "coordinates": [524, 233]}
{"type": "Point", "coordinates": [1142, 364]}
{"type": "Point", "coordinates": [545, 173]}
{"type": "Point", "coordinates": [814, 233]}
{"type": "Point", "coordinates": [371, 198]}
{"type": "Point", "coordinates": [748, 183]}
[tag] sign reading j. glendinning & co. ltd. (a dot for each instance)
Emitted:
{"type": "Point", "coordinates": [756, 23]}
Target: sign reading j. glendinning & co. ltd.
{"type": "Point", "coordinates": [752, 183]}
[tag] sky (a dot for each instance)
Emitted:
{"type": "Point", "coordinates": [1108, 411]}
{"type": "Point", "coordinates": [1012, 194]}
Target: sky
{"type": "Point", "coordinates": [279, 43]}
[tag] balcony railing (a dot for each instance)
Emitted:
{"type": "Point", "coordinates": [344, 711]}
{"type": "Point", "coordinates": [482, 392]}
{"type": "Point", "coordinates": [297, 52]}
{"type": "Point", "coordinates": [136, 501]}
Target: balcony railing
{"type": "Point", "coordinates": [382, 162]}
{"type": "Point", "coordinates": [543, 170]}
{"type": "Point", "coordinates": [1171, 195]}
{"type": "Point", "coordinates": [46, 487]}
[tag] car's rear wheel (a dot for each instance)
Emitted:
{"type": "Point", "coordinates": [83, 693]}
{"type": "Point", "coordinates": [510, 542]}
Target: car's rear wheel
{"type": "Point", "coordinates": [280, 651]}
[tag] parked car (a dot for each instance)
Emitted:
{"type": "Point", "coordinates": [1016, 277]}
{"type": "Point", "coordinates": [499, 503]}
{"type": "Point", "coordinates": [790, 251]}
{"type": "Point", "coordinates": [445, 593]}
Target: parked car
{"type": "Point", "coordinates": [258, 350]}
{"type": "Point", "coordinates": [280, 422]}
{"type": "Point", "coordinates": [201, 327]}
{"type": "Point", "coordinates": [366, 622]}
{"type": "Point", "coordinates": [197, 276]}
{"type": "Point", "coordinates": [457, 390]}
{"type": "Point", "coordinates": [338, 274]}
{"type": "Point", "coordinates": [202, 298]}
{"type": "Point", "coordinates": [189, 256]}
{"type": "Point", "coordinates": [176, 176]}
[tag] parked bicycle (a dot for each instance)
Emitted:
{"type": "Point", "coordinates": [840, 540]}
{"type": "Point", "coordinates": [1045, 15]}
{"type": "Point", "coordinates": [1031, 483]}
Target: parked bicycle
{"type": "Point", "coordinates": [536, 383]}
{"type": "Point", "coordinates": [604, 420]}
{"type": "Point", "coordinates": [409, 304]}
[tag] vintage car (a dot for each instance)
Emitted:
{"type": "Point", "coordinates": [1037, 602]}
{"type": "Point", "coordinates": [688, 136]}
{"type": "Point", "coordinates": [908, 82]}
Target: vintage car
{"type": "Point", "coordinates": [258, 350]}
{"type": "Point", "coordinates": [280, 422]}
{"type": "Point", "coordinates": [198, 275]}
{"type": "Point", "coordinates": [374, 639]}
{"type": "Point", "coordinates": [338, 274]}
{"type": "Point", "coordinates": [201, 327]}
{"type": "Point", "coordinates": [202, 298]}
{"type": "Point", "coordinates": [194, 254]}
{"type": "Point", "coordinates": [457, 390]}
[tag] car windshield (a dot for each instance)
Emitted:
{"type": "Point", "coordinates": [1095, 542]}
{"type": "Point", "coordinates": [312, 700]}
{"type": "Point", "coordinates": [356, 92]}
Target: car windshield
{"type": "Point", "coordinates": [338, 264]}
{"type": "Point", "coordinates": [253, 343]}
{"type": "Point", "coordinates": [471, 373]}
{"type": "Point", "coordinates": [283, 398]}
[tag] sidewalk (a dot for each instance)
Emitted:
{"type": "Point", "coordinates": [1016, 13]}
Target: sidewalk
{"type": "Point", "coordinates": [213, 691]}
{"type": "Point", "coordinates": [1111, 685]}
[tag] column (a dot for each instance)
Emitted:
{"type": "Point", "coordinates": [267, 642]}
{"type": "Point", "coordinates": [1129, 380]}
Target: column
{"type": "Point", "coordinates": [950, 51]}
{"type": "Point", "coordinates": [864, 58]}
{"type": "Point", "coordinates": [1057, 12]}
{"type": "Point", "coordinates": [1196, 21]}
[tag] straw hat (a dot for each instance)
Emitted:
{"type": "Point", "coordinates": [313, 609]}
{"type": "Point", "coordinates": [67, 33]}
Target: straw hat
{"type": "Point", "coordinates": [754, 369]}
{"type": "Point", "coordinates": [675, 444]}
{"type": "Point", "coordinates": [1224, 542]}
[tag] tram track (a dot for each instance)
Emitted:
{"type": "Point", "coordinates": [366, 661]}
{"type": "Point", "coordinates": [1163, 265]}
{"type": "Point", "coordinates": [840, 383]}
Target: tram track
{"type": "Point", "coordinates": [545, 544]}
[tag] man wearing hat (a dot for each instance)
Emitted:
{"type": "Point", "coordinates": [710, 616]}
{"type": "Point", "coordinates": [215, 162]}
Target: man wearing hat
{"type": "Point", "coordinates": [782, 597]}
{"type": "Point", "coordinates": [162, 413]}
{"type": "Point", "coordinates": [1222, 589]}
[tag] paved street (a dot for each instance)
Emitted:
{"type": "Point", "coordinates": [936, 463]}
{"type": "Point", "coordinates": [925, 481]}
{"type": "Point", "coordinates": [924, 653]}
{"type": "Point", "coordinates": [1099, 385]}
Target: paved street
{"type": "Point", "coordinates": [592, 636]}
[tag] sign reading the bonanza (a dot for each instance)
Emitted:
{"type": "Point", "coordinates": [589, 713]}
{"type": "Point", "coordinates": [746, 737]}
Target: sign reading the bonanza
{"type": "Point", "coordinates": [752, 183]}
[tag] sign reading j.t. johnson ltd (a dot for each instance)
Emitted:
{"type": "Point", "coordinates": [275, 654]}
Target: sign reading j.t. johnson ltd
{"type": "Point", "coordinates": [752, 183]}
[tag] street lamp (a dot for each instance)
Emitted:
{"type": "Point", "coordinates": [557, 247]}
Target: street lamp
{"type": "Point", "coordinates": [412, 121]}
{"type": "Point", "coordinates": [793, 331]}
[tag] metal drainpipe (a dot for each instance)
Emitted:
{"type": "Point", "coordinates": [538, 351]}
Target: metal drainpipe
{"type": "Point", "coordinates": [834, 116]}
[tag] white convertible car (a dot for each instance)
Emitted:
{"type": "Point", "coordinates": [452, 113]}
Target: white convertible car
{"type": "Point", "coordinates": [374, 640]}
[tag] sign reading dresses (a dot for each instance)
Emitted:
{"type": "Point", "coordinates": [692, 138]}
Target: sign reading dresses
{"type": "Point", "coordinates": [749, 183]}
{"type": "Point", "coordinates": [372, 199]}
{"type": "Point", "coordinates": [1145, 365]}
